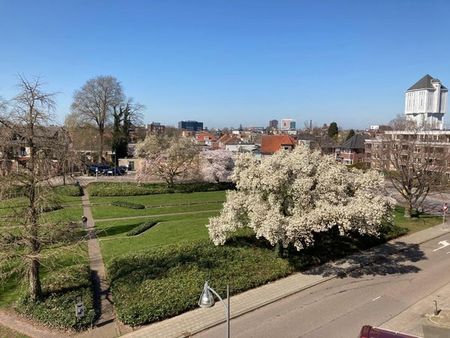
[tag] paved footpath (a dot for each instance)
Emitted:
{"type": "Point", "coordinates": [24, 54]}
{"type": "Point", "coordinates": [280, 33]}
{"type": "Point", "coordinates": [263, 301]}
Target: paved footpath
{"type": "Point", "coordinates": [199, 320]}
{"type": "Point", "coordinates": [106, 326]}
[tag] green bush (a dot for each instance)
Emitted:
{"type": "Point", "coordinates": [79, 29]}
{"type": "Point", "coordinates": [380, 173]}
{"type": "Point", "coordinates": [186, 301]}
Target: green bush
{"type": "Point", "coordinates": [135, 189]}
{"type": "Point", "coordinates": [141, 228]}
{"type": "Point", "coordinates": [129, 205]}
{"type": "Point", "coordinates": [167, 281]}
{"type": "Point", "coordinates": [57, 307]}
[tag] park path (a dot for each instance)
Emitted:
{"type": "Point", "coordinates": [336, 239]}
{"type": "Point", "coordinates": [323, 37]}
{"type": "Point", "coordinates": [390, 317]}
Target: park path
{"type": "Point", "coordinates": [106, 325]}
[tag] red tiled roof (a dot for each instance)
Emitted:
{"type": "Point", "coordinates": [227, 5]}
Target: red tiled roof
{"type": "Point", "coordinates": [272, 143]}
{"type": "Point", "coordinates": [205, 135]}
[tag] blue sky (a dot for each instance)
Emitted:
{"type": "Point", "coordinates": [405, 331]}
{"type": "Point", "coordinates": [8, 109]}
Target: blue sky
{"type": "Point", "coordinates": [229, 62]}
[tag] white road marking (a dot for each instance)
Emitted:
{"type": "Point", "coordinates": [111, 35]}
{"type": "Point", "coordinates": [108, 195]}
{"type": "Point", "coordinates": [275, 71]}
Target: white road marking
{"type": "Point", "coordinates": [443, 245]}
{"type": "Point", "coordinates": [376, 298]}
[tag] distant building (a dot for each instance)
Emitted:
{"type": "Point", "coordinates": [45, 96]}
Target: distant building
{"type": "Point", "coordinates": [190, 125]}
{"type": "Point", "coordinates": [288, 124]}
{"type": "Point", "coordinates": [155, 128]}
{"type": "Point", "coordinates": [426, 103]}
{"type": "Point", "coordinates": [351, 151]}
{"type": "Point", "coordinates": [270, 144]}
{"type": "Point", "coordinates": [273, 124]}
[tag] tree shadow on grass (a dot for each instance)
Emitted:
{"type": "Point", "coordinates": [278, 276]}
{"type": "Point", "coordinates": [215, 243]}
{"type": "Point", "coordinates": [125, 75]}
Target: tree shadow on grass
{"type": "Point", "coordinates": [117, 229]}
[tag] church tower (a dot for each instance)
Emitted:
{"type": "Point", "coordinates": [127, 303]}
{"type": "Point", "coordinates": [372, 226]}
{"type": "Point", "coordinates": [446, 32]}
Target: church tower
{"type": "Point", "coordinates": [426, 103]}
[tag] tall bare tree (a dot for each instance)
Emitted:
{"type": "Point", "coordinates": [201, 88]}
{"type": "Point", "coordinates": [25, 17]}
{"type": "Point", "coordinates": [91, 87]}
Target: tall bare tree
{"type": "Point", "coordinates": [94, 104]}
{"type": "Point", "coordinates": [414, 161]}
{"type": "Point", "coordinates": [31, 111]}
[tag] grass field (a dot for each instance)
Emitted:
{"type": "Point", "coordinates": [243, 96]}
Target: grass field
{"type": "Point", "coordinates": [64, 267]}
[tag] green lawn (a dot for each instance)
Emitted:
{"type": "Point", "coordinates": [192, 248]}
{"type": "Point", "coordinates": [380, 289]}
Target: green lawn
{"type": "Point", "coordinates": [169, 230]}
{"type": "Point", "coordinates": [64, 271]}
{"type": "Point", "coordinates": [164, 199]}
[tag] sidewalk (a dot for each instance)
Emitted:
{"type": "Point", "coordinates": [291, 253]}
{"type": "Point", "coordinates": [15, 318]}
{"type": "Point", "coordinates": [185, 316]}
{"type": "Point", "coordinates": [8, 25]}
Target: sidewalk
{"type": "Point", "coordinates": [198, 320]}
{"type": "Point", "coordinates": [411, 320]}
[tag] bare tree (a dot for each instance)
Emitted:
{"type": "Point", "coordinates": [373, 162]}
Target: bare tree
{"type": "Point", "coordinates": [414, 161]}
{"type": "Point", "coordinates": [94, 104]}
{"type": "Point", "coordinates": [31, 111]}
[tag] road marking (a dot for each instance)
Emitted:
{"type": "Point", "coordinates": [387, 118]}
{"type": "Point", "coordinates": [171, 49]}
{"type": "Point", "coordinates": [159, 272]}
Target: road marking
{"type": "Point", "coordinates": [443, 245]}
{"type": "Point", "coordinates": [376, 298]}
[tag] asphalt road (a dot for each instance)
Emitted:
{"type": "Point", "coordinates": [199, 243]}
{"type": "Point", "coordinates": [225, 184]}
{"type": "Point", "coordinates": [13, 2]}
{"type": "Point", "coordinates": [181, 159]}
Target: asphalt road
{"type": "Point", "coordinates": [340, 307]}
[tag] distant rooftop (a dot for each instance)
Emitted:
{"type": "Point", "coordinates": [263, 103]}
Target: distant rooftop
{"type": "Point", "coordinates": [425, 83]}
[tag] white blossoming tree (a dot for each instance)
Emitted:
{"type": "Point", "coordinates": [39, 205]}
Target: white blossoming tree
{"type": "Point", "coordinates": [216, 165]}
{"type": "Point", "coordinates": [167, 158]}
{"type": "Point", "coordinates": [290, 196]}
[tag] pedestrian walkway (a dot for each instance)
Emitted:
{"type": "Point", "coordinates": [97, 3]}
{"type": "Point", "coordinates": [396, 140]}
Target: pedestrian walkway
{"type": "Point", "coordinates": [106, 325]}
{"type": "Point", "coordinates": [198, 320]}
{"type": "Point", "coordinates": [26, 327]}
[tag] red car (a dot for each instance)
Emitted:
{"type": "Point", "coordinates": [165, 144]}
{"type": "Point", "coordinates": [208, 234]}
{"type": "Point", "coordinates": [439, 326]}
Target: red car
{"type": "Point", "coordinates": [368, 331]}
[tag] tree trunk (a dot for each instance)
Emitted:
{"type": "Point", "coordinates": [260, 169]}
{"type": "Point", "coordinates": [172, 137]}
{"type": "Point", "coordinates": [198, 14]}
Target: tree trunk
{"type": "Point", "coordinates": [101, 132]}
{"type": "Point", "coordinates": [34, 280]}
{"type": "Point", "coordinates": [279, 249]}
{"type": "Point", "coordinates": [409, 210]}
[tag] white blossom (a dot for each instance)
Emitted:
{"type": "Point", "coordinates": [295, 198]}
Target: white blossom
{"type": "Point", "coordinates": [290, 196]}
{"type": "Point", "coordinates": [216, 165]}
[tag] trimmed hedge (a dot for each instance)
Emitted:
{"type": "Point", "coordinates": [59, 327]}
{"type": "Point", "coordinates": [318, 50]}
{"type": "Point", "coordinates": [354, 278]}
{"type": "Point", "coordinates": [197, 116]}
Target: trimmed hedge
{"type": "Point", "coordinates": [135, 189]}
{"type": "Point", "coordinates": [167, 281]}
{"type": "Point", "coordinates": [141, 228]}
{"type": "Point", "coordinates": [57, 307]}
{"type": "Point", "coordinates": [129, 205]}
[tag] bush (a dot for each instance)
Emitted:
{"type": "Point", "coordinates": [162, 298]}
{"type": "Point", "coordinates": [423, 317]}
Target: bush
{"type": "Point", "coordinates": [167, 281]}
{"type": "Point", "coordinates": [135, 189]}
{"type": "Point", "coordinates": [129, 205]}
{"type": "Point", "coordinates": [141, 228]}
{"type": "Point", "coordinates": [57, 307]}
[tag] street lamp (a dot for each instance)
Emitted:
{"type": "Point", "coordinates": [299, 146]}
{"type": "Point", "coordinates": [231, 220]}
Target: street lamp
{"type": "Point", "coordinates": [207, 300]}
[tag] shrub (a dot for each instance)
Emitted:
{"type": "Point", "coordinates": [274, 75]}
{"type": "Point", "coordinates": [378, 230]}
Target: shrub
{"type": "Point", "coordinates": [167, 281]}
{"type": "Point", "coordinates": [135, 189]}
{"type": "Point", "coordinates": [141, 228]}
{"type": "Point", "coordinates": [129, 205]}
{"type": "Point", "coordinates": [57, 307]}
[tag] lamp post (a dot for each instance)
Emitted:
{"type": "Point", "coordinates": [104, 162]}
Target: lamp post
{"type": "Point", "coordinates": [207, 300]}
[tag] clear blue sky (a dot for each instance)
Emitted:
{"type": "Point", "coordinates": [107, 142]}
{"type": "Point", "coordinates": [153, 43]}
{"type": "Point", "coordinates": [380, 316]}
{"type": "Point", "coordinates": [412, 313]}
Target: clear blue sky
{"type": "Point", "coordinates": [229, 62]}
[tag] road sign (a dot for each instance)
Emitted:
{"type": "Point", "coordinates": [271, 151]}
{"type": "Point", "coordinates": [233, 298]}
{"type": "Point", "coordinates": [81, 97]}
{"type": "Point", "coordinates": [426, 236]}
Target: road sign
{"type": "Point", "coordinates": [445, 207]}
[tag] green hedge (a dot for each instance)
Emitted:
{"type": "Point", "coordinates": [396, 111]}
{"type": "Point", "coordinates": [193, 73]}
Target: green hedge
{"type": "Point", "coordinates": [135, 189]}
{"type": "Point", "coordinates": [129, 205]}
{"type": "Point", "coordinates": [57, 307]}
{"type": "Point", "coordinates": [141, 228]}
{"type": "Point", "coordinates": [167, 281]}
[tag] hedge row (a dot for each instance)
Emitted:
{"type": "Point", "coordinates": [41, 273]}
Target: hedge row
{"type": "Point", "coordinates": [134, 189]}
{"type": "Point", "coordinates": [64, 190]}
{"type": "Point", "coordinates": [57, 307]}
{"type": "Point", "coordinates": [141, 228]}
{"type": "Point", "coordinates": [129, 205]}
{"type": "Point", "coordinates": [167, 281]}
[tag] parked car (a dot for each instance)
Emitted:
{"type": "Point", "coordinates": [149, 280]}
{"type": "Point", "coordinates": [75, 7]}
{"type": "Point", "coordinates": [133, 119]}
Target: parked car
{"type": "Point", "coordinates": [116, 171]}
{"type": "Point", "coordinates": [368, 331]}
{"type": "Point", "coordinates": [98, 169]}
